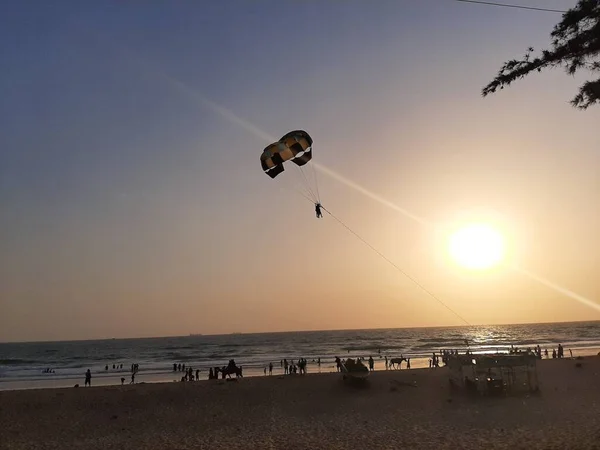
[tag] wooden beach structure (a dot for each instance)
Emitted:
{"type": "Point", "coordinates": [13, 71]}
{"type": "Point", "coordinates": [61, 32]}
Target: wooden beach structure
{"type": "Point", "coordinates": [494, 374]}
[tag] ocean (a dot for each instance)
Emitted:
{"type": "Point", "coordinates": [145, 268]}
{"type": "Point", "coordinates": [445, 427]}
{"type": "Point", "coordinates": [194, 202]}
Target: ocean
{"type": "Point", "coordinates": [22, 365]}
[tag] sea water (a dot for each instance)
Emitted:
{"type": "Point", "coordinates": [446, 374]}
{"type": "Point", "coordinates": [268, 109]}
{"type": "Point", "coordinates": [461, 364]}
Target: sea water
{"type": "Point", "coordinates": [22, 365]}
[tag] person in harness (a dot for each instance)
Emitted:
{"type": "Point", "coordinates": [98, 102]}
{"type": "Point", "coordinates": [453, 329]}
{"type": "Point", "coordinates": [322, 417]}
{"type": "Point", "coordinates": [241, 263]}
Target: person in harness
{"type": "Point", "coordinates": [318, 210]}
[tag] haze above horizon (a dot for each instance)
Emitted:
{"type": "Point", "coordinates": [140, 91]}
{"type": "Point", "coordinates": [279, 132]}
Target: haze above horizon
{"type": "Point", "coordinates": [130, 208]}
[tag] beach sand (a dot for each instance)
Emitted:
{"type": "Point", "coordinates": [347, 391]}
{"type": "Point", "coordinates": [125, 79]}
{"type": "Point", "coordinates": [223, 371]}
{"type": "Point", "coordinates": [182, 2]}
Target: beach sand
{"type": "Point", "coordinates": [313, 411]}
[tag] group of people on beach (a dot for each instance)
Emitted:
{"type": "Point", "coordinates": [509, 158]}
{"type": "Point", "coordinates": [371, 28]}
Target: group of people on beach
{"type": "Point", "coordinates": [356, 363]}
{"type": "Point", "coordinates": [293, 367]}
{"type": "Point", "coordinates": [134, 370]}
{"type": "Point", "coordinates": [300, 366]}
{"type": "Point", "coordinates": [188, 373]}
{"type": "Point", "coordinates": [213, 372]}
{"type": "Point", "coordinates": [556, 353]}
{"type": "Point", "coordinates": [270, 367]}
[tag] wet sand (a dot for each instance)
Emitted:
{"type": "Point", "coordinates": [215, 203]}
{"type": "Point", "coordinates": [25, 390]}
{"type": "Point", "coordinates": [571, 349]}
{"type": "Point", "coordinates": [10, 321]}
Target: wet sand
{"type": "Point", "coordinates": [313, 411]}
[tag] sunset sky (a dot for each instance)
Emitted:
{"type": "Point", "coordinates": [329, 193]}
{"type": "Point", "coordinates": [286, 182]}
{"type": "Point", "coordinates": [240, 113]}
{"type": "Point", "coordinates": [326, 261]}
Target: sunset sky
{"type": "Point", "coordinates": [132, 201]}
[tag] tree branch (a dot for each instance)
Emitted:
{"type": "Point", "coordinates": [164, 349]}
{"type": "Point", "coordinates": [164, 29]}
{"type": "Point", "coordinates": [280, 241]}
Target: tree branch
{"type": "Point", "coordinates": [576, 45]}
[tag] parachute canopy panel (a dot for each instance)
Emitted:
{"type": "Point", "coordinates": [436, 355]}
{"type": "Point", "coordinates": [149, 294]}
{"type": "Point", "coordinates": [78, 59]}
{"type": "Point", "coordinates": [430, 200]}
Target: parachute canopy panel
{"type": "Point", "coordinates": [295, 146]}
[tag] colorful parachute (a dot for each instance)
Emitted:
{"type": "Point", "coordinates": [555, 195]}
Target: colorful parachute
{"type": "Point", "coordinates": [295, 146]}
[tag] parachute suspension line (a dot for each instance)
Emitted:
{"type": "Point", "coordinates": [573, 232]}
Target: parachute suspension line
{"type": "Point", "coordinates": [305, 196]}
{"type": "Point", "coordinates": [300, 192]}
{"type": "Point", "coordinates": [303, 189]}
{"type": "Point", "coordinates": [312, 193]}
{"type": "Point", "coordinates": [397, 267]}
{"type": "Point", "coordinates": [316, 184]}
{"type": "Point", "coordinates": [298, 183]}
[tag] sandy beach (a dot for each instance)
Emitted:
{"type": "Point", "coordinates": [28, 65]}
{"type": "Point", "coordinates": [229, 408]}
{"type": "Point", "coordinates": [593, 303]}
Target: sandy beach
{"type": "Point", "coordinates": [398, 409]}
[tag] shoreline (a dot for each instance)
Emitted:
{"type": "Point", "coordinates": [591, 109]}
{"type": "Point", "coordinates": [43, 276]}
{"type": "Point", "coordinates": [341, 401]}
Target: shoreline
{"type": "Point", "coordinates": [104, 379]}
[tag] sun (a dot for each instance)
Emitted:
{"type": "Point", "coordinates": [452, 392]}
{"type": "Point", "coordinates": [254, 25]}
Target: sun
{"type": "Point", "coordinates": [477, 246]}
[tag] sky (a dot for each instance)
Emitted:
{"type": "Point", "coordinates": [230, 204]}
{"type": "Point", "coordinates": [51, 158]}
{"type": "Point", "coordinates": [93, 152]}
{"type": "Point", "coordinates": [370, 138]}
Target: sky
{"type": "Point", "coordinates": [132, 202]}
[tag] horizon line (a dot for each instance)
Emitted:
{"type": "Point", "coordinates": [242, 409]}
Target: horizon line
{"type": "Point", "coordinates": [294, 331]}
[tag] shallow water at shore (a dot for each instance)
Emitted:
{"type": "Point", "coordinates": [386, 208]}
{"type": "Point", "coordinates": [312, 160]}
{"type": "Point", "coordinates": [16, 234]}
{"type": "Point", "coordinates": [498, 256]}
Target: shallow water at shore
{"type": "Point", "coordinates": [21, 364]}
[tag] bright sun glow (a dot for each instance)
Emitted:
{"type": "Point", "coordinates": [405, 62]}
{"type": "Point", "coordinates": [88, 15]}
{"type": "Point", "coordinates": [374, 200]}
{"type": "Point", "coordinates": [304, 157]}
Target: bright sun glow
{"type": "Point", "coordinates": [477, 246]}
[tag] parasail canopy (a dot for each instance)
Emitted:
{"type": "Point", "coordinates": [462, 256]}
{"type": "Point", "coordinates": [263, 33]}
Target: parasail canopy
{"type": "Point", "coordinates": [295, 146]}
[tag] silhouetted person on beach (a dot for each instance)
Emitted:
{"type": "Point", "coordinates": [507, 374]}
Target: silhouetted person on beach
{"type": "Point", "coordinates": [197, 374]}
{"type": "Point", "coordinates": [106, 367]}
{"type": "Point", "coordinates": [302, 365]}
{"type": "Point", "coordinates": [270, 368]}
{"type": "Point", "coordinates": [174, 367]}
{"type": "Point", "coordinates": [371, 363]}
{"type": "Point", "coordinates": [122, 381]}
{"type": "Point", "coordinates": [88, 378]}
{"type": "Point", "coordinates": [408, 363]}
